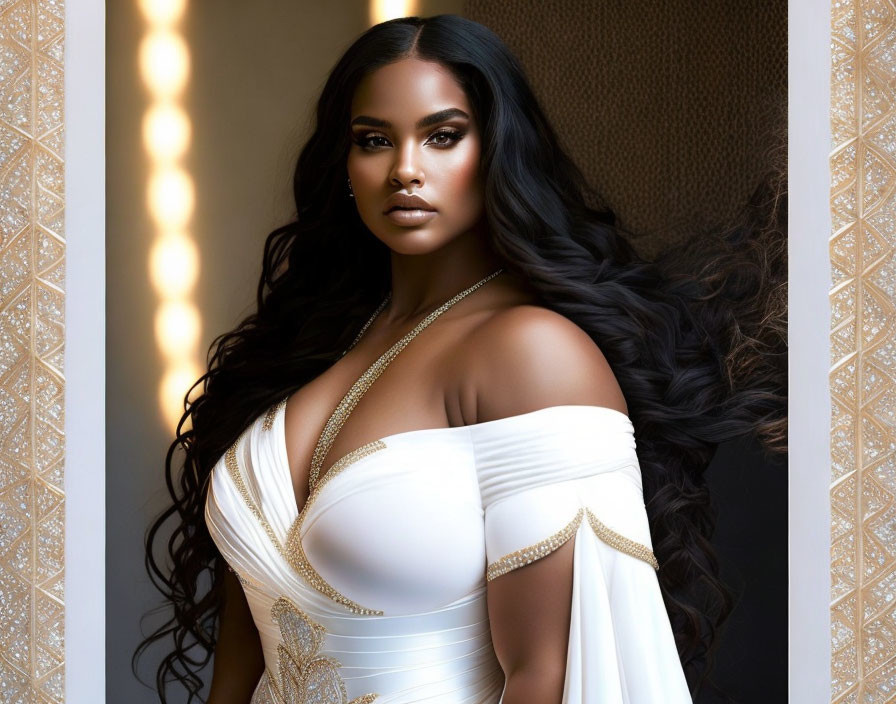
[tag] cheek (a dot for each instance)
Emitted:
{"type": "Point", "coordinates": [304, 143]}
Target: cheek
{"type": "Point", "coordinates": [368, 178]}
{"type": "Point", "coordinates": [364, 172]}
{"type": "Point", "coordinates": [461, 181]}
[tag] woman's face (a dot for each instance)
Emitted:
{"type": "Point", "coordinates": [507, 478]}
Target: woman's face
{"type": "Point", "coordinates": [413, 133]}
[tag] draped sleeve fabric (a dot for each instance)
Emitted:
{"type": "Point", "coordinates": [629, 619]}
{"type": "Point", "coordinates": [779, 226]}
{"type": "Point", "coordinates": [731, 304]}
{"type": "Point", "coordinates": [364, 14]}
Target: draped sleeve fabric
{"type": "Point", "coordinates": [573, 474]}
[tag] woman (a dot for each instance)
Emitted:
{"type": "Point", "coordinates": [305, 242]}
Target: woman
{"type": "Point", "coordinates": [469, 523]}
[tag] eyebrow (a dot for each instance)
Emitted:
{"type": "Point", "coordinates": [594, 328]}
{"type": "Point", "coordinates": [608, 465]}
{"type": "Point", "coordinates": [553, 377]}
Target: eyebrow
{"type": "Point", "coordinates": [436, 117]}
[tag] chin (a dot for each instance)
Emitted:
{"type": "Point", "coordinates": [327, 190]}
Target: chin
{"type": "Point", "coordinates": [414, 241]}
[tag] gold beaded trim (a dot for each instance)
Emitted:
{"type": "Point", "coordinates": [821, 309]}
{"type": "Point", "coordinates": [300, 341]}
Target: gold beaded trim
{"type": "Point", "coordinates": [545, 547]}
{"type": "Point", "coordinates": [236, 476]}
{"type": "Point", "coordinates": [535, 552]}
{"type": "Point", "coordinates": [621, 543]}
{"type": "Point", "coordinates": [353, 396]}
{"type": "Point", "coordinates": [295, 552]}
{"type": "Point", "coordinates": [268, 421]}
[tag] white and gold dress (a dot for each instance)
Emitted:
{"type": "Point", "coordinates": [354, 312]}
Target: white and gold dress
{"type": "Point", "coordinates": [376, 590]}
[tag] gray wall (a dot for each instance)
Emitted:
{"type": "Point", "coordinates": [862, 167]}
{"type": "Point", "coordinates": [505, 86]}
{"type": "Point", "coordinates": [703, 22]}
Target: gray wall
{"type": "Point", "coordinates": [257, 69]}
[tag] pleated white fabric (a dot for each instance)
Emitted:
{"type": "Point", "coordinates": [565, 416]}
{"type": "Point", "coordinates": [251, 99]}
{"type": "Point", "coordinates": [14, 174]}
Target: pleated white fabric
{"type": "Point", "coordinates": [376, 591]}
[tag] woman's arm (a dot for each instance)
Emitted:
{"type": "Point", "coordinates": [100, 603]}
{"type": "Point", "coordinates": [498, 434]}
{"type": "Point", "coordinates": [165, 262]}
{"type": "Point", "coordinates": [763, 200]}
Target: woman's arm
{"type": "Point", "coordinates": [529, 612]}
{"type": "Point", "coordinates": [537, 358]}
{"type": "Point", "coordinates": [238, 659]}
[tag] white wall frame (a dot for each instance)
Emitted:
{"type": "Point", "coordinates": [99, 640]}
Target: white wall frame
{"type": "Point", "coordinates": [85, 514]}
{"type": "Point", "coordinates": [809, 281]}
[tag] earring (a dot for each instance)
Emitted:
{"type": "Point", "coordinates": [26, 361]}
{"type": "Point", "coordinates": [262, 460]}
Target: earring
{"type": "Point", "coordinates": [351, 193]}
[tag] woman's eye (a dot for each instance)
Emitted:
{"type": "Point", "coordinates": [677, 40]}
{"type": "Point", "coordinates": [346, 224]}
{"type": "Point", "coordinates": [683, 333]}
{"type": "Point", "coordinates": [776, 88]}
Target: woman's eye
{"type": "Point", "coordinates": [367, 142]}
{"type": "Point", "coordinates": [450, 137]}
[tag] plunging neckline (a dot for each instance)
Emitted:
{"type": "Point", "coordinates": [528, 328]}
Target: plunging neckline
{"type": "Point", "coordinates": [337, 419]}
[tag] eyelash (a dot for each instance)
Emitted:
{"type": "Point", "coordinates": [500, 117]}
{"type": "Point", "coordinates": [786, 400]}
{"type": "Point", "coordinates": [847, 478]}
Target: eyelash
{"type": "Point", "coordinates": [365, 142]}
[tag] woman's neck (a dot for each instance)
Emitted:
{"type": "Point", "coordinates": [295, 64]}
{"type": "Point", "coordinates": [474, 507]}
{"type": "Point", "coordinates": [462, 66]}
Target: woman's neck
{"type": "Point", "coordinates": [421, 283]}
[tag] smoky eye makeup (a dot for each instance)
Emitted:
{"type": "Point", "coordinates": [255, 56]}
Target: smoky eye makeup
{"type": "Point", "coordinates": [443, 137]}
{"type": "Point", "coordinates": [367, 141]}
{"type": "Point", "coordinates": [447, 136]}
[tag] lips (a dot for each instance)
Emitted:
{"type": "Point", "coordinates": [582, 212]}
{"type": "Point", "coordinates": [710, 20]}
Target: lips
{"type": "Point", "coordinates": [410, 217]}
{"type": "Point", "coordinates": [401, 201]}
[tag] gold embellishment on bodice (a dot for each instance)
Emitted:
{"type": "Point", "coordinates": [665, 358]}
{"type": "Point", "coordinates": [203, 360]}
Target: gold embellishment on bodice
{"type": "Point", "coordinates": [531, 553]}
{"type": "Point", "coordinates": [236, 476]}
{"type": "Point", "coordinates": [268, 422]}
{"type": "Point", "coordinates": [304, 675]}
{"type": "Point", "coordinates": [293, 553]}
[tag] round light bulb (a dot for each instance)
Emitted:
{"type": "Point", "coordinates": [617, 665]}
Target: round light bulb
{"type": "Point", "coordinates": [164, 63]}
{"type": "Point", "coordinates": [170, 197]}
{"type": "Point", "coordinates": [177, 326]}
{"type": "Point", "coordinates": [166, 132]}
{"type": "Point", "coordinates": [173, 265]}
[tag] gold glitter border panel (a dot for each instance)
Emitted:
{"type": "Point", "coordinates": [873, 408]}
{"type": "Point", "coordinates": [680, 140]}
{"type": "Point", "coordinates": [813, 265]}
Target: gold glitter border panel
{"type": "Point", "coordinates": [32, 306]}
{"type": "Point", "coordinates": [863, 351]}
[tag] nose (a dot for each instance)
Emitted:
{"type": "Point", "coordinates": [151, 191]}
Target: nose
{"type": "Point", "coordinates": [406, 169]}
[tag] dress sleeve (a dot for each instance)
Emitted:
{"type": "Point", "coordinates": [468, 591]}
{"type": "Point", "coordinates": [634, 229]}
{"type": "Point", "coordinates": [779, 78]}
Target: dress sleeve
{"type": "Point", "coordinates": [571, 472]}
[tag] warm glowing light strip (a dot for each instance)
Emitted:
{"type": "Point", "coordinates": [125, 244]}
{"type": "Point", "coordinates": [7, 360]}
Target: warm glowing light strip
{"type": "Point", "coordinates": [382, 10]}
{"type": "Point", "coordinates": [164, 61]}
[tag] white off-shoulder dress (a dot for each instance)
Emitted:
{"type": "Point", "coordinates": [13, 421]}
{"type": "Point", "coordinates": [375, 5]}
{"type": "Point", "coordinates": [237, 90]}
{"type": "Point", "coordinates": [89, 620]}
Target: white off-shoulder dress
{"type": "Point", "coordinates": [376, 590]}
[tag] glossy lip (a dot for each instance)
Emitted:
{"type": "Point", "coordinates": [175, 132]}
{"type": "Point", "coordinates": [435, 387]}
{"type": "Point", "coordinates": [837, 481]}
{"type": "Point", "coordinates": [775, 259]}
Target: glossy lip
{"type": "Point", "coordinates": [402, 200]}
{"type": "Point", "coordinates": [410, 218]}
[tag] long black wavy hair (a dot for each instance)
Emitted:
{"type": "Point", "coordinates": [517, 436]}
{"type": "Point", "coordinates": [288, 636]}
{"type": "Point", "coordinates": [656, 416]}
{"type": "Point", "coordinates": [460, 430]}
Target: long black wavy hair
{"type": "Point", "coordinates": [696, 339]}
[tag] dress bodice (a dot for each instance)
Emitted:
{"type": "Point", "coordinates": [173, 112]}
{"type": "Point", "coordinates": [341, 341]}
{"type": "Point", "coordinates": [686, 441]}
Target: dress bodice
{"type": "Point", "coordinates": [376, 590]}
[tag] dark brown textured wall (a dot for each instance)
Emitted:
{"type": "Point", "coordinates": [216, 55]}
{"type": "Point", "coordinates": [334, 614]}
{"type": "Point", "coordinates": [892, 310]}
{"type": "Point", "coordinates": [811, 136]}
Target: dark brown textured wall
{"type": "Point", "coordinates": [674, 111]}
{"type": "Point", "coordinates": [670, 108]}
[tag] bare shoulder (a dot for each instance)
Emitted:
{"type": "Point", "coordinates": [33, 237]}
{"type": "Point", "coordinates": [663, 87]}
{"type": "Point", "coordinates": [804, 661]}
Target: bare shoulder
{"type": "Point", "coordinates": [528, 357]}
